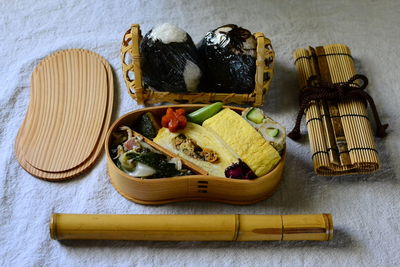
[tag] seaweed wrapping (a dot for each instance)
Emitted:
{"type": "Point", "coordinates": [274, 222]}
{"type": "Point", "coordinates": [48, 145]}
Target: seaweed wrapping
{"type": "Point", "coordinates": [169, 60]}
{"type": "Point", "coordinates": [143, 94]}
{"type": "Point", "coordinates": [229, 57]}
{"type": "Point", "coordinates": [340, 133]}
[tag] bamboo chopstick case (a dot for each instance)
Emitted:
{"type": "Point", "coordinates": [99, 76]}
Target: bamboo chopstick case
{"type": "Point", "coordinates": [334, 102]}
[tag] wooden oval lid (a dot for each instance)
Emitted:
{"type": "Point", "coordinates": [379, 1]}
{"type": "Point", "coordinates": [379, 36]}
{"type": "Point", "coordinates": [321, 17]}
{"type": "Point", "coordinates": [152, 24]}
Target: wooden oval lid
{"type": "Point", "coordinates": [68, 115]}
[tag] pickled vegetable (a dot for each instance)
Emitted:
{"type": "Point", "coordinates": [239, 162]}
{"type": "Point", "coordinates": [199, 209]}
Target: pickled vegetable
{"type": "Point", "coordinates": [273, 132]}
{"type": "Point", "coordinates": [255, 115]}
{"type": "Point", "coordinates": [174, 120]}
{"type": "Point", "coordinates": [204, 113]}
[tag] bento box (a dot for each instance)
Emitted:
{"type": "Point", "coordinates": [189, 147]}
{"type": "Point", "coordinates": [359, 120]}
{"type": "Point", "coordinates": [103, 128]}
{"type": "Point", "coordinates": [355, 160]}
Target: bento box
{"type": "Point", "coordinates": [192, 187]}
{"type": "Point", "coordinates": [132, 73]}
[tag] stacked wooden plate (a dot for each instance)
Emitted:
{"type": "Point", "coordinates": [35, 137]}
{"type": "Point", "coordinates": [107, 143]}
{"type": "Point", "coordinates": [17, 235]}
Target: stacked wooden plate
{"type": "Point", "coordinates": [68, 116]}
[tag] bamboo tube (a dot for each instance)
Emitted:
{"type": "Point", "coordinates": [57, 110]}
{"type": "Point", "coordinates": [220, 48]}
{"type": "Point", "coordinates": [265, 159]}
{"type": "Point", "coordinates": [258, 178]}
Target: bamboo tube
{"type": "Point", "coordinates": [349, 123]}
{"type": "Point", "coordinates": [228, 227]}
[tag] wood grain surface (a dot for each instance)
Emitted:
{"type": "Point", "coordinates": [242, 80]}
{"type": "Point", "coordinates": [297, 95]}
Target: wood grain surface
{"type": "Point", "coordinates": [68, 115]}
{"type": "Point", "coordinates": [197, 187]}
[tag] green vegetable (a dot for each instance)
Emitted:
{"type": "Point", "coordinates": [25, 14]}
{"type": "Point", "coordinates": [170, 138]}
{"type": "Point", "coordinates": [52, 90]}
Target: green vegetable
{"type": "Point", "coordinates": [204, 113]}
{"type": "Point", "coordinates": [255, 115]}
{"type": "Point", "coordinates": [273, 132]}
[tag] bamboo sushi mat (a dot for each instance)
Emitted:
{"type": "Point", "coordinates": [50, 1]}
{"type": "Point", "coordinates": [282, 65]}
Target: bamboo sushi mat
{"type": "Point", "coordinates": [341, 138]}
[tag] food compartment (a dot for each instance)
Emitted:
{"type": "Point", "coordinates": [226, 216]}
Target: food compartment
{"type": "Point", "coordinates": [192, 187]}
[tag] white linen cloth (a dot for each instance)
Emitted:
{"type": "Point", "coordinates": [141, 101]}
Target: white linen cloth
{"type": "Point", "coordinates": [365, 208]}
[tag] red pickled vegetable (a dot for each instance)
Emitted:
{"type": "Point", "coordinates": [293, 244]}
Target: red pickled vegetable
{"type": "Point", "coordinates": [174, 120]}
{"type": "Point", "coordinates": [170, 111]}
{"type": "Point", "coordinates": [165, 120]}
{"type": "Point", "coordinates": [182, 121]}
{"type": "Point", "coordinates": [173, 124]}
{"type": "Point", "coordinates": [180, 111]}
{"type": "Point", "coordinates": [240, 170]}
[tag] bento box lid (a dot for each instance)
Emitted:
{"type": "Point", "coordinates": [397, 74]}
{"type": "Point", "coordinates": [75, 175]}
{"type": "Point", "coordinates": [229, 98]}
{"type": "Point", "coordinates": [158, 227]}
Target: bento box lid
{"type": "Point", "coordinates": [69, 112]}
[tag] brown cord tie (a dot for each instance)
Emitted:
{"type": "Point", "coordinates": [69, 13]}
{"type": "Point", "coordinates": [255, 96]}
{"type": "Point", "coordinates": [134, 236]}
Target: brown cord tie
{"type": "Point", "coordinates": [336, 92]}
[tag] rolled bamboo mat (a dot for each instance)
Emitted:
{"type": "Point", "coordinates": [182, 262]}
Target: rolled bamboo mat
{"type": "Point", "coordinates": [340, 134]}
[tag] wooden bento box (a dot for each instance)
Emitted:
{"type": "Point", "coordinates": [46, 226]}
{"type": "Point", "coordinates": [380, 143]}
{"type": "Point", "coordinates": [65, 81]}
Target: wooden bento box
{"type": "Point", "coordinates": [132, 74]}
{"type": "Point", "coordinates": [185, 188]}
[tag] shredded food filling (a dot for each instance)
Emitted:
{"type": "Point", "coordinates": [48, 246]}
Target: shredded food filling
{"type": "Point", "coordinates": [189, 147]}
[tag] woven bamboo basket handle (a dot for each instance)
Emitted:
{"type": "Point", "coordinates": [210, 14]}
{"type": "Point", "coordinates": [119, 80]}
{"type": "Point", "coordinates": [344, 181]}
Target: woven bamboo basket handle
{"type": "Point", "coordinates": [264, 67]}
{"type": "Point", "coordinates": [130, 50]}
{"type": "Point", "coordinates": [130, 46]}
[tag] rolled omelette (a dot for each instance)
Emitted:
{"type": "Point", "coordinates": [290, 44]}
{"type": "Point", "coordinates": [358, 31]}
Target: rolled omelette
{"type": "Point", "coordinates": [204, 139]}
{"type": "Point", "coordinates": [249, 144]}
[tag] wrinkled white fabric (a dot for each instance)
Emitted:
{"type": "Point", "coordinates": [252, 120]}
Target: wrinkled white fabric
{"type": "Point", "coordinates": [365, 208]}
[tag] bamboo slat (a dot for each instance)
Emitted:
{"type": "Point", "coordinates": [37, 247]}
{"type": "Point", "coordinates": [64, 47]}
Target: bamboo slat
{"type": "Point", "coordinates": [336, 129]}
{"type": "Point", "coordinates": [265, 62]}
{"type": "Point", "coordinates": [68, 115]}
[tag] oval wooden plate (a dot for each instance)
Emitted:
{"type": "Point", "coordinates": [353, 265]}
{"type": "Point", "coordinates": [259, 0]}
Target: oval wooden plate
{"type": "Point", "coordinates": [63, 137]}
{"type": "Point", "coordinates": [69, 92]}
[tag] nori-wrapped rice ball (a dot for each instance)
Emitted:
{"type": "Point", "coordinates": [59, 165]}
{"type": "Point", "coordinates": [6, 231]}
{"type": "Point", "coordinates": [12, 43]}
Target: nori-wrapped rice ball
{"type": "Point", "coordinates": [229, 57]}
{"type": "Point", "coordinates": [169, 60]}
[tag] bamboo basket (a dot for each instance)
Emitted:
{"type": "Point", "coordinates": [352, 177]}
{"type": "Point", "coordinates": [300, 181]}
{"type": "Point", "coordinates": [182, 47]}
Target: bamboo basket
{"type": "Point", "coordinates": [265, 62]}
{"type": "Point", "coordinates": [185, 188]}
{"type": "Point", "coordinates": [340, 134]}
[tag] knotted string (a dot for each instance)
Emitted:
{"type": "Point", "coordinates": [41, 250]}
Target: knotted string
{"type": "Point", "coordinates": [336, 92]}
